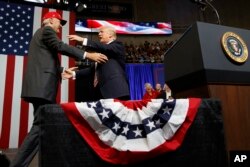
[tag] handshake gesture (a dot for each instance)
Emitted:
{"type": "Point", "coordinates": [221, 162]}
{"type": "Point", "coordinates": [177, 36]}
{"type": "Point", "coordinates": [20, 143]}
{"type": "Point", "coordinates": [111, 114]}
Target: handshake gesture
{"type": "Point", "coordinates": [97, 57]}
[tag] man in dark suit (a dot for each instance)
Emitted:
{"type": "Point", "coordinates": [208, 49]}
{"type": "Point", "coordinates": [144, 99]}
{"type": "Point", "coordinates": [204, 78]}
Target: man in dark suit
{"type": "Point", "coordinates": [111, 76]}
{"type": "Point", "coordinates": [43, 75]}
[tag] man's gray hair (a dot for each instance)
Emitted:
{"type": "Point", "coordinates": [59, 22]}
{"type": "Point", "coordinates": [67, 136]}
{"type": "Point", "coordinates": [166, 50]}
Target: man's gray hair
{"type": "Point", "coordinates": [147, 85]}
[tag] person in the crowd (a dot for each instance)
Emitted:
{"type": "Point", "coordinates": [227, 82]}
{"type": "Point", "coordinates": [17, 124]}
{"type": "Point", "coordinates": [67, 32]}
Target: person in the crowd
{"type": "Point", "coordinates": [111, 80]}
{"type": "Point", "coordinates": [166, 93]}
{"type": "Point", "coordinates": [150, 93]}
{"type": "Point", "coordinates": [149, 52]}
{"type": "Point", "coordinates": [158, 88]}
{"type": "Point", "coordinates": [43, 75]}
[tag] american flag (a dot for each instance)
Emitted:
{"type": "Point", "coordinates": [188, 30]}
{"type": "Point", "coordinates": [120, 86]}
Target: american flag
{"type": "Point", "coordinates": [124, 132]}
{"type": "Point", "coordinates": [18, 23]}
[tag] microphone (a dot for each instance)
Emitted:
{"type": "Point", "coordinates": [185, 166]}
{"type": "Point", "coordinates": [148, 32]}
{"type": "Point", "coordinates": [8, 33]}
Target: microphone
{"type": "Point", "coordinates": [207, 3]}
{"type": "Point", "coordinates": [200, 2]}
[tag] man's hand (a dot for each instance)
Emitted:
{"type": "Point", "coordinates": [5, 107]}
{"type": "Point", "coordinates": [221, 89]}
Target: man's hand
{"type": "Point", "coordinates": [97, 57]}
{"type": "Point", "coordinates": [75, 38]}
{"type": "Point", "coordinates": [68, 73]}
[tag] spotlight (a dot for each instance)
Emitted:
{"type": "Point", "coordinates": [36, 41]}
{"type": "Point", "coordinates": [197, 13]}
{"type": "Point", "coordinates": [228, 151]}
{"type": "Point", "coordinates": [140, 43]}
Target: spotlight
{"type": "Point", "coordinates": [65, 2]}
{"type": "Point", "coordinates": [80, 6]}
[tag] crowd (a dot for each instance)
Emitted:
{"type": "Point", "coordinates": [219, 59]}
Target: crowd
{"type": "Point", "coordinates": [158, 92]}
{"type": "Point", "coordinates": [147, 52]}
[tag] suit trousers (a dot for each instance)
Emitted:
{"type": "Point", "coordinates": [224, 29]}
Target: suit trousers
{"type": "Point", "coordinates": [30, 145]}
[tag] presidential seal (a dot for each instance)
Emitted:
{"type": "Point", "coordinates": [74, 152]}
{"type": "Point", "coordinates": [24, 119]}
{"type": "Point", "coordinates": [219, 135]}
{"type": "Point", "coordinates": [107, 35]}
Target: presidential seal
{"type": "Point", "coordinates": [234, 47]}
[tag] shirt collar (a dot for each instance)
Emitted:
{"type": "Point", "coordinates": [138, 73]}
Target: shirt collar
{"type": "Point", "coordinates": [110, 41]}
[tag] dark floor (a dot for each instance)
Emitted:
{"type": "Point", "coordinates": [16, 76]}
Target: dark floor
{"type": "Point", "coordinates": [10, 153]}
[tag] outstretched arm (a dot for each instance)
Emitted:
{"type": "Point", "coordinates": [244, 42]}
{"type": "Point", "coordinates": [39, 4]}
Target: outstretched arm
{"type": "Point", "coordinates": [75, 38]}
{"type": "Point", "coordinates": [97, 57]}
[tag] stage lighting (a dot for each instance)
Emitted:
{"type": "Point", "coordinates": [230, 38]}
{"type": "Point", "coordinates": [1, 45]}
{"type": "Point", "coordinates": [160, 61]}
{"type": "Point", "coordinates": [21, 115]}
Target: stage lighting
{"type": "Point", "coordinates": [66, 2]}
{"type": "Point", "coordinates": [80, 6]}
{"type": "Point", "coordinates": [35, 1]}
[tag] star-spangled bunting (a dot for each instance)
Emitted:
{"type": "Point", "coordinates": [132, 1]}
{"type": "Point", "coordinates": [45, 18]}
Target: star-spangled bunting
{"type": "Point", "coordinates": [133, 130]}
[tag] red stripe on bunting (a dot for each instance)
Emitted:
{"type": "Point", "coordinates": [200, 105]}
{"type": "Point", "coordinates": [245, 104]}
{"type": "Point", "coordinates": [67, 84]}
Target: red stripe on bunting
{"type": "Point", "coordinates": [7, 105]}
{"type": "Point", "coordinates": [135, 104]}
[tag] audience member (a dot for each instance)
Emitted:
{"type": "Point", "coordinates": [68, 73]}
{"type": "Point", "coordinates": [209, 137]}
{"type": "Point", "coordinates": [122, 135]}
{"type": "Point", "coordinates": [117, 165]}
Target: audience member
{"type": "Point", "coordinates": [150, 93]}
{"type": "Point", "coordinates": [147, 52]}
{"type": "Point", "coordinates": [166, 93]}
{"type": "Point", "coordinates": [158, 88]}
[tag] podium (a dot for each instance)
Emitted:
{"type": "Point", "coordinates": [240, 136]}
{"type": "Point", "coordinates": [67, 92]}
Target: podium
{"type": "Point", "coordinates": [198, 65]}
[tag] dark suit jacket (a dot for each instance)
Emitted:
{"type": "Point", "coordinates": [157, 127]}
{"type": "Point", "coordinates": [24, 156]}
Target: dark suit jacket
{"type": "Point", "coordinates": [112, 78]}
{"type": "Point", "coordinates": [43, 71]}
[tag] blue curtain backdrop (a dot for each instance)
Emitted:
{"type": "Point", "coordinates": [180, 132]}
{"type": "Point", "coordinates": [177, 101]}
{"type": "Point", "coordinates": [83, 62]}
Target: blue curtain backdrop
{"type": "Point", "coordinates": [139, 74]}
